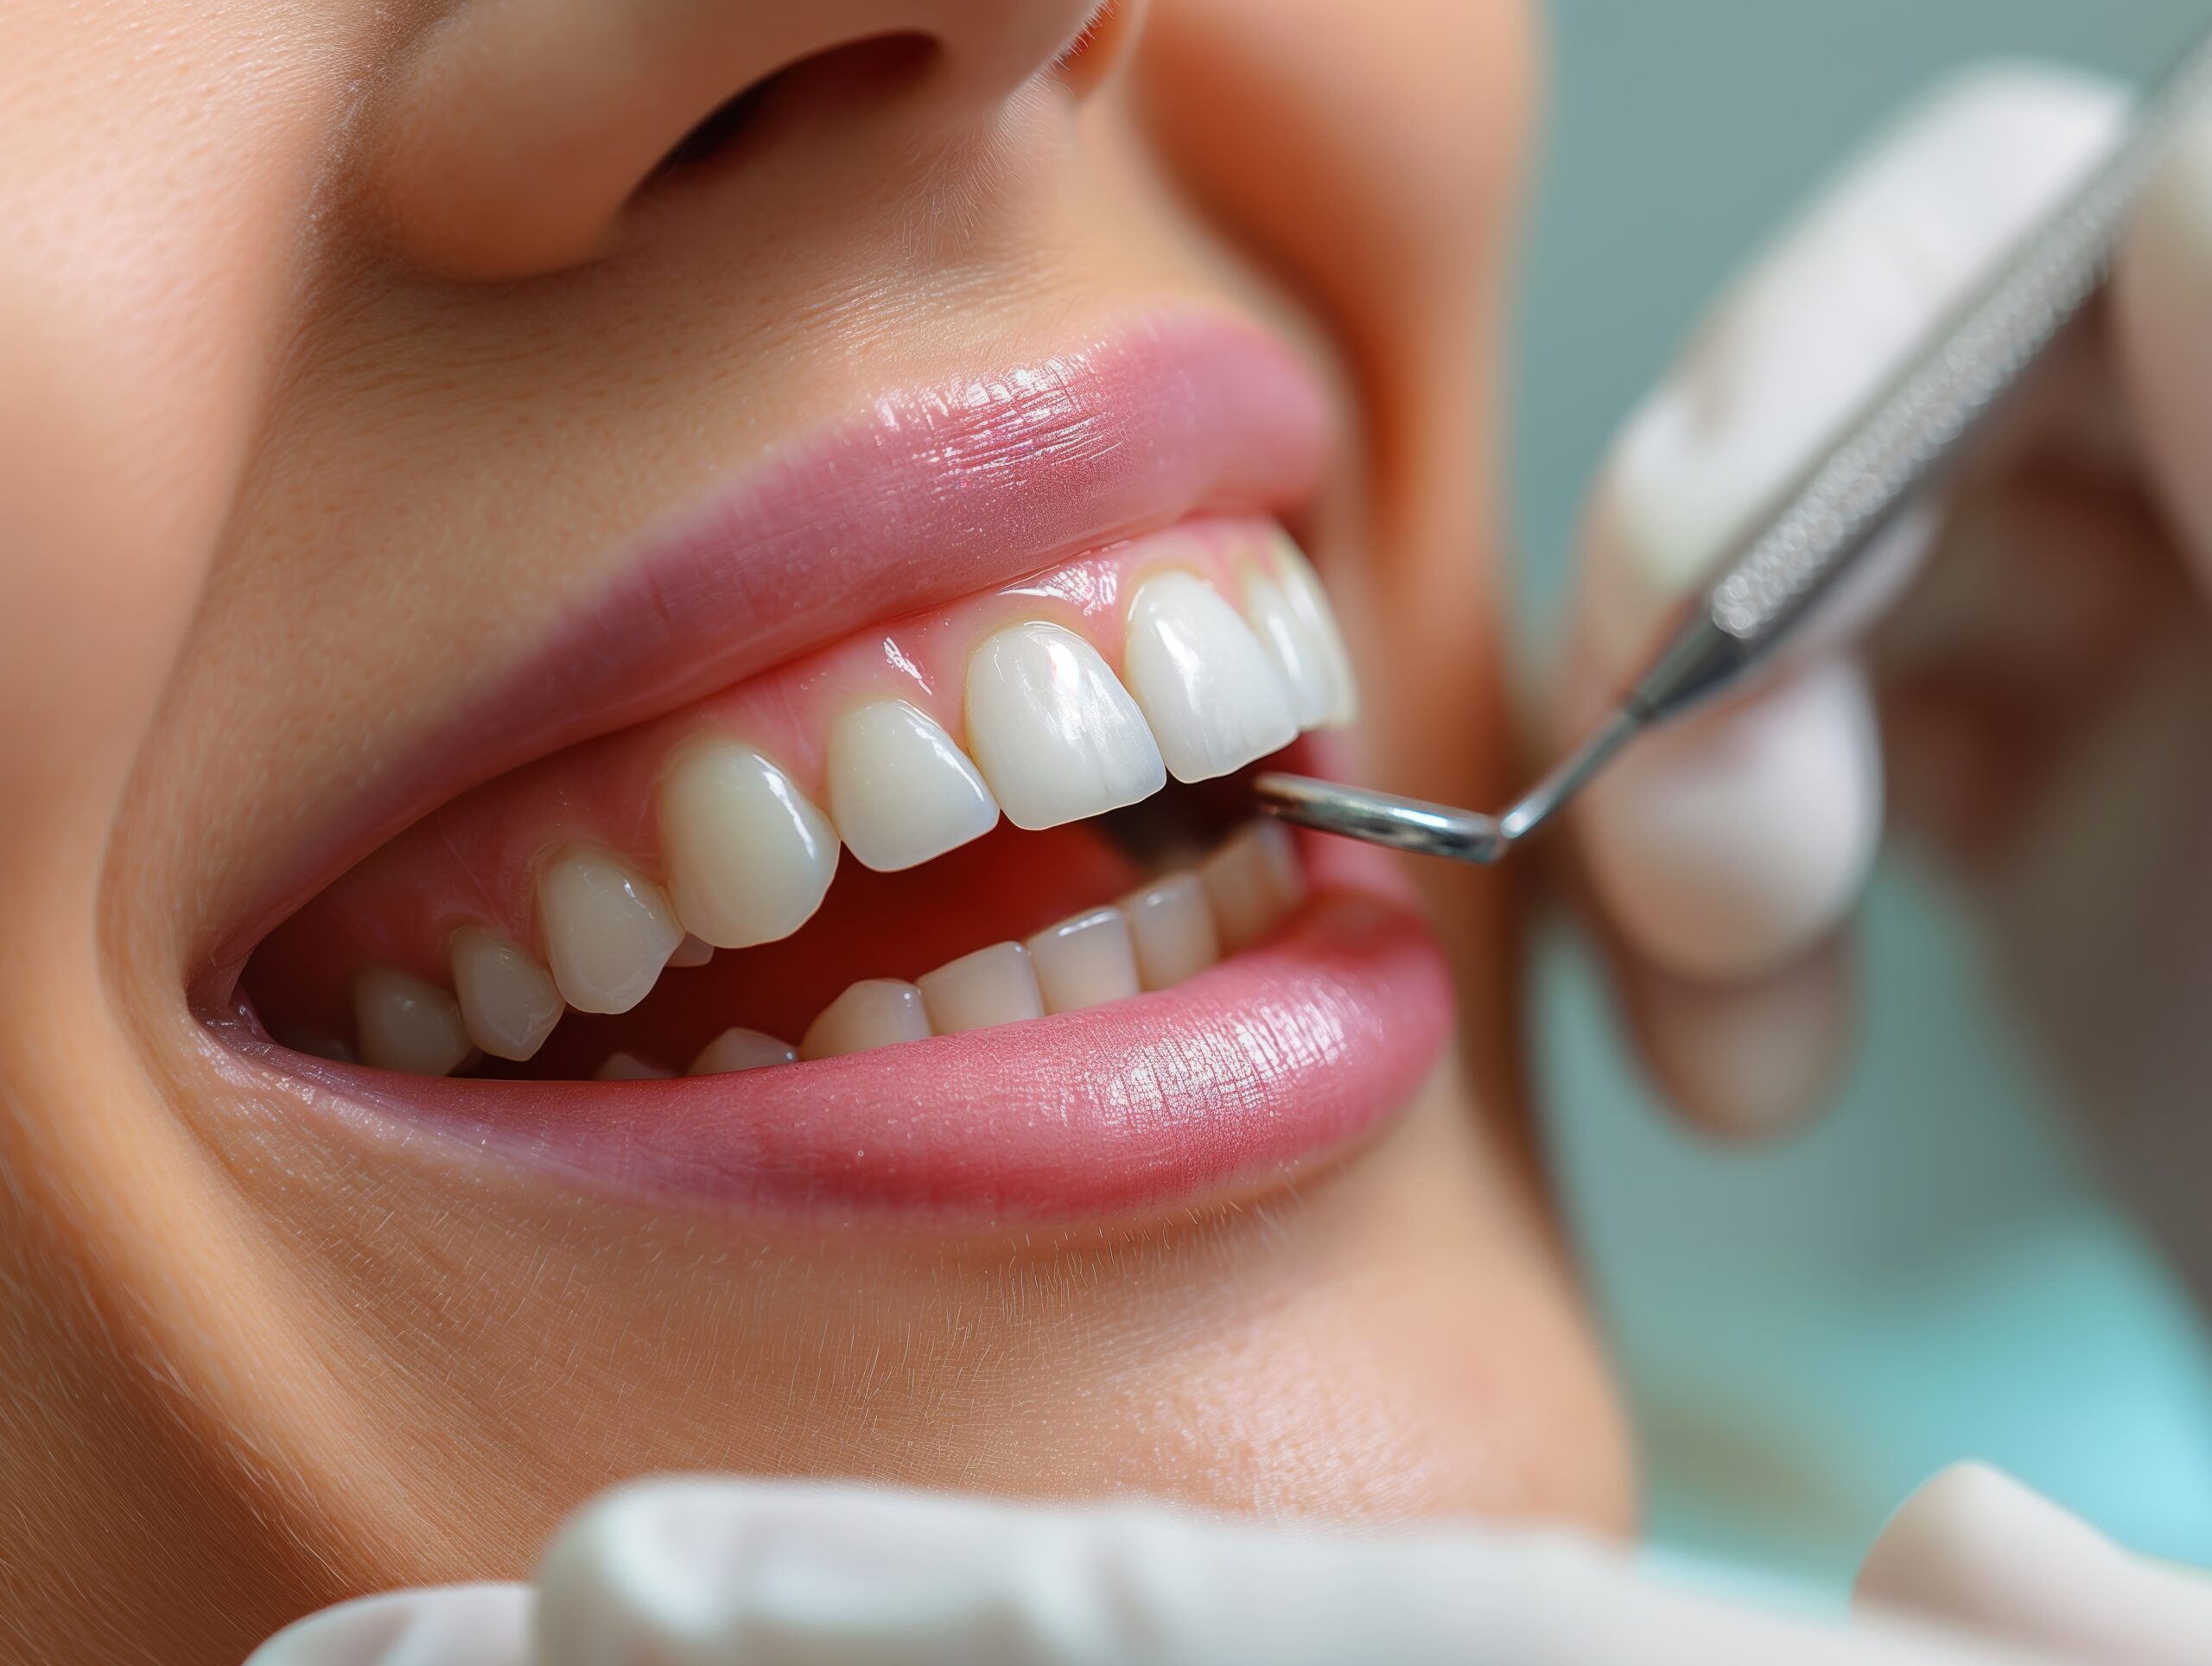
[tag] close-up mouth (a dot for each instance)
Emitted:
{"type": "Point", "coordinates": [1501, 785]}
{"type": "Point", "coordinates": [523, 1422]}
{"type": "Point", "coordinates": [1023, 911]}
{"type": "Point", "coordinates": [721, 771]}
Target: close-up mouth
{"type": "Point", "coordinates": [956, 908]}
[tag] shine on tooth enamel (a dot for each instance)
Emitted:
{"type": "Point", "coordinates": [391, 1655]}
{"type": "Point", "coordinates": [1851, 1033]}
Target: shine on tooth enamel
{"type": "Point", "coordinates": [982, 990]}
{"type": "Point", "coordinates": [508, 1002]}
{"type": "Point", "coordinates": [749, 856]}
{"type": "Point", "coordinates": [1084, 962]}
{"type": "Point", "coordinates": [900, 793]}
{"type": "Point", "coordinates": [1302, 587]}
{"type": "Point", "coordinates": [1298, 658]}
{"type": "Point", "coordinates": [609, 929]}
{"type": "Point", "coordinates": [874, 1013]}
{"type": "Point", "coordinates": [1253, 882]}
{"type": "Point", "coordinates": [1170, 923]}
{"type": "Point", "coordinates": [1052, 729]}
{"type": "Point", "coordinates": [1212, 696]}
{"type": "Point", "coordinates": [406, 1024]}
{"type": "Point", "coordinates": [741, 1049]}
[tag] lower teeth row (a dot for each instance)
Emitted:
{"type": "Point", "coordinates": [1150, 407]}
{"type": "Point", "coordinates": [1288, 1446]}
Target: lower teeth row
{"type": "Point", "coordinates": [1160, 934]}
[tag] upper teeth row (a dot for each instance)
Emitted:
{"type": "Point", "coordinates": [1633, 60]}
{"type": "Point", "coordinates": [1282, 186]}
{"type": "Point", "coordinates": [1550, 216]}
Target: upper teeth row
{"type": "Point", "coordinates": [1052, 734]}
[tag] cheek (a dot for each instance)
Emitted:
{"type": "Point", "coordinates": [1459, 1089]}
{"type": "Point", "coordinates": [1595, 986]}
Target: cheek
{"type": "Point", "coordinates": [1374, 161]}
{"type": "Point", "coordinates": [156, 204]}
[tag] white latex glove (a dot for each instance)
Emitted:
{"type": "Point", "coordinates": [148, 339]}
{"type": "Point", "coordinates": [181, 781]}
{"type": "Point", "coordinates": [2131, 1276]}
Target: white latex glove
{"type": "Point", "coordinates": [728, 1573]}
{"type": "Point", "coordinates": [2038, 706]}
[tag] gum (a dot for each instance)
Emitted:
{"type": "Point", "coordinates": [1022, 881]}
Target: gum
{"type": "Point", "coordinates": [474, 861]}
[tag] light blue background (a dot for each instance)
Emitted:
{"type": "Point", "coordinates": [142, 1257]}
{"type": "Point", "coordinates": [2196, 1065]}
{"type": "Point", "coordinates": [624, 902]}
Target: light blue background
{"type": "Point", "coordinates": [1932, 1274]}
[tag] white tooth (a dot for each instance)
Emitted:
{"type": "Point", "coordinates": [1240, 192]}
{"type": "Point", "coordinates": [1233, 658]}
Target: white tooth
{"type": "Point", "coordinates": [1297, 656]}
{"type": "Point", "coordinates": [406, 1024]}
{"type": "Point", "coordinates": [1253, 882]}
{"type": "Point", "coordinates": [628, 1067]}
{"type": "Point", "coordinates": [1053, 730]}
{"type": "Point", "coordinates": [992, 986]}
{"type": "Point", "coordinates": [1206, 685]}
{"type": "Point", "coordinates": [900, 790]}
{"type": "Point", "coordinates": [507, 999]}
{"type": "Point", "coordinates": [741, 1049]}
{"type": "Point", "coordinates": [609, 930]}
{"type": "Point", "coordinates": [749, 857]}
{"type": "Point", "coordinates": [1302, 587]}
{"type": "Point", "coordinates": [1084, 962]}
{"type": "Point", "coordinates": [873, 1012]}
{"type": "Point", "coordinates": [692, 951]}
{"type": "Point", "coordinates": [1171, 924]}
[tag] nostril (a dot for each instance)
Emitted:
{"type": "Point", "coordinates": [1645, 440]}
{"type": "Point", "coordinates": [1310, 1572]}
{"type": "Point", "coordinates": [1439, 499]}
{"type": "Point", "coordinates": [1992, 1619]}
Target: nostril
{"type": "Point", "coordinates": [865, 68]}
{"type": "Point", "coordinates": [715, 135]}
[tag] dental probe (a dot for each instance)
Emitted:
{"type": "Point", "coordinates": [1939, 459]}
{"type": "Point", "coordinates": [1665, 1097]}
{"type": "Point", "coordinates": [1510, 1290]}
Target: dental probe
{"type": "Point", "coordinates": [1768, 592]}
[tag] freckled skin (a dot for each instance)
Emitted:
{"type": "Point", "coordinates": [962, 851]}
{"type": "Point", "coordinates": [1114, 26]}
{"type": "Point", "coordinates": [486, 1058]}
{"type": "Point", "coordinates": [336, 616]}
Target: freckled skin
{"type": "Point", "coordinates": [340, 353]}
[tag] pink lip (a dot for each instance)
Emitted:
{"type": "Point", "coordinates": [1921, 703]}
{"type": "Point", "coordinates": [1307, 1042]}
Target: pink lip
{"type": "Point", "coordinates": [1270, 1060]}
{"type": "Point", "coordinates": [1240, 1078]}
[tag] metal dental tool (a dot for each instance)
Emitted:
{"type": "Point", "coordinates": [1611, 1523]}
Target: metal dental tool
{"type": "Point", "coordinates": [1771, 588]}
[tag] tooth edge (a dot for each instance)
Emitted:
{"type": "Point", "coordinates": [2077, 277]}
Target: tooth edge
{"type": "Point", "coordinates": [1205, 684]}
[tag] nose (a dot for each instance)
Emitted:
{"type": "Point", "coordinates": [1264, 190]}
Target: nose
{"type": "Point", "coordinates": [517, 132]}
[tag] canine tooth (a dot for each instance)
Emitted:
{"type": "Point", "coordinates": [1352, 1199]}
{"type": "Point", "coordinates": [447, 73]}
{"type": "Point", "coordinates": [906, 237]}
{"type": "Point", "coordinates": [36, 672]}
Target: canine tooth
{"type": "Point", "coordinates": [873, 1012]}
{"type": "Point", "coordinates": [1301, 586]}
{"type": "Point", "coordinates": [628, 1067]}
{"type": "Point", "coordinates": [741, 1049]}
{"type": "Point", "coordinates": [992, 986]}
{"type": "Point", "coordinates": [609, 930]}
{"type": "Point", "coordinates": [749, 856]}
{"type": "Point", "coordinates": [1253, 882]}
{"type": "Point", "coordinates": [406, 1024]}
{"type": "Point", "coordinates": [507, 999]}
{"type": "Point", "coordinates": [900, 790]}
{"type": "Point", "coordinates": [1211, 693]}
{"type": "Point", "coordinates": [1084, 962]}
{"type": "Point", "coordinates": [1298, 658]}
{"type": "Point", "coordinates": [1053, 730]}
{"type": "Point", "coordinates": [692, 951]}
{"type": "Point", "coordinates": [1171, 924]}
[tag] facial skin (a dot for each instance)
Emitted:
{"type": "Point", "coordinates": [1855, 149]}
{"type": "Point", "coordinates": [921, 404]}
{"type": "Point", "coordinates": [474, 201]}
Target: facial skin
{"type": "Point", "coordinates": [346, 345]}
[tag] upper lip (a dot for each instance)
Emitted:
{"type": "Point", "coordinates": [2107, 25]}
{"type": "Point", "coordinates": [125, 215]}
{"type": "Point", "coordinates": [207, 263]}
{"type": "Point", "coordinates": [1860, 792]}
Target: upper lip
{"type": "Point", "coordinates": [933, 492]}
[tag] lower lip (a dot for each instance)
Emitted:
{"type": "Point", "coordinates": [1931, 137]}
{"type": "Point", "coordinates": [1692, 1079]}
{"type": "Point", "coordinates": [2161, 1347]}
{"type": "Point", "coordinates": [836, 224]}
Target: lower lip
{"type": "Point", "coordinates": [1241, 1078]}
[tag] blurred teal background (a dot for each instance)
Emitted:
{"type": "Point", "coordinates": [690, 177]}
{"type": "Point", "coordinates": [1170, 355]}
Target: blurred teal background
{"type": "Point", "coordinates": [1932, 1274]}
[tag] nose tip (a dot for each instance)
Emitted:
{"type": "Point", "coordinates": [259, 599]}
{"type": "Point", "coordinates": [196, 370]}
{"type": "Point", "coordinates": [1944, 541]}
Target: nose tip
{"type": "Point", "coordinates": [523, 128]}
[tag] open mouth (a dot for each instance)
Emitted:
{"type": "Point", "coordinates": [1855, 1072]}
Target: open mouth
{"type": "Point", "coordinates": [661, 902]}
{"type": "Point", "coordinates": [964, 908]}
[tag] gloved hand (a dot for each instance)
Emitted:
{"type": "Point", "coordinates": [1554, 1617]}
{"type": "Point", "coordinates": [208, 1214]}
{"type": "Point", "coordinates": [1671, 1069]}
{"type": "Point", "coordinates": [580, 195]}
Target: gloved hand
{"type": "Point", "coordinates": [730, 1572]}
{"type": "Point", "coordinates": [2038, 706]}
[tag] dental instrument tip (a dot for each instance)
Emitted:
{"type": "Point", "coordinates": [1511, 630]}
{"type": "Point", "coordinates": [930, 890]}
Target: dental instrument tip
{"type": "Point", "coordinates": [1384, 818]}
{"type": "Point", "coordinates": [1434, 829]}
